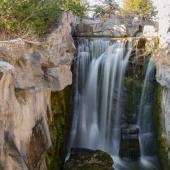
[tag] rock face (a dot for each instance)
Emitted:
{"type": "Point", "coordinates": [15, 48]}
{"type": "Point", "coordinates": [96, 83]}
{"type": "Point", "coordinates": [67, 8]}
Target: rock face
{"type": "Point", "coordinates": [85, 159]}
{"type": "Point", "coordinates": [129, 143]}
{"type": "Point", "coordinates": [163, 77]}
{"type": "Point", "coordinates": [29, 71]}
{"type": "Point", "coordinates": [117, 26]}
{"type": "Point", "coordinates": [163, 66]}
{"type": "Point", "coordinates": [164, 22]}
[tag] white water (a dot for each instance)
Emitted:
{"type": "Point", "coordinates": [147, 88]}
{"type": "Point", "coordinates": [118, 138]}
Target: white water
{"type": "Point", "coordinates": [101, 66]}
{"type": "Point", "coordinates": [145, 112]}
{"type": "Point", "coordinates": [99, 79]}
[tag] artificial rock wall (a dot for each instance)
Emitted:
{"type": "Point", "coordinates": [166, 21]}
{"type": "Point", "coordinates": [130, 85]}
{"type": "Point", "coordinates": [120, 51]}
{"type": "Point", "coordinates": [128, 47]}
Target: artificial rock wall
{"type": "Point", "coordinates": [29, 71]}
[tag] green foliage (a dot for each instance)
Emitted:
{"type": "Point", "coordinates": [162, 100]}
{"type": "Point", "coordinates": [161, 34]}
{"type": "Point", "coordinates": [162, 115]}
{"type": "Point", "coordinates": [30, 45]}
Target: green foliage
{"type": "Point", "coordinates": [144, 7]}
{"type": "Point", "coordinates": [107, 9]}
{"type": "Point", "coordinates": [35, 15]}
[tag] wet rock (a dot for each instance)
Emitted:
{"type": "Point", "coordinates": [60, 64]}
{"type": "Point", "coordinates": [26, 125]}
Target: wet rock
{"type": "Point", "coordinates": [60, 106]}
{"type": "Point", "coordinates": [85, 159]}
{"type": "Point", "coordinates": [129, 143]}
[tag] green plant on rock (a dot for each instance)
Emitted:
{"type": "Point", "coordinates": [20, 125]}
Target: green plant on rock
{"type": "Point", "coordinates": [78, 7]}
{"type": "Point", "coordinates": [34, 16]}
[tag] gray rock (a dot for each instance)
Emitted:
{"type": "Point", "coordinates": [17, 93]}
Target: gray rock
{"type": "Point", "coordinates": [163, 75]}
{"type": "Point", "coordinates": [117, 25]}
{"type": "Point", "coordinates": [29, 71]}
{"type": "Point", "coordinates": [163, 78]}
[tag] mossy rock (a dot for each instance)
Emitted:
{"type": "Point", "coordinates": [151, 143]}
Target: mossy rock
{"type": "Point", "coordinates": [60, 104]}
{"type": "Point", "coordinates": [162, 143]}
{"type": "Point", "coordinates": [85, 159]}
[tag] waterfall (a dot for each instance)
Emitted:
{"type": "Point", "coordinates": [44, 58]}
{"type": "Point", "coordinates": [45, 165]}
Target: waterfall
{"type": "Point", "coordinates": [100, 70]}
{"type": "Point", "coordinates": [146, 112]}
{"type": "Point", "coordinates": [111, 106]}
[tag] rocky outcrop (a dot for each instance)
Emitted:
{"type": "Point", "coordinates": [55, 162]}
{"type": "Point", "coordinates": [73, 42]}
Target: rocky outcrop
{"type": "Point", "coordinates": [85, 159]}
{"type": "Point", "coordinates": [115, 26]}
{"type": "Point", "coordinates": [164, 23]}
{"type": "Point", "coordinates": [29, 71]}
{"type": "Point", "coordinates": [163, 78]}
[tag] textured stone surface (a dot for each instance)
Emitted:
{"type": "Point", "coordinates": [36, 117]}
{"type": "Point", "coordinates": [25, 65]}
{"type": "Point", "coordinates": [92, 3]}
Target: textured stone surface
{"type": "Point", "coordinates": [29, 71]}
{"type": "Point", "coordinates": [166, 106]}
{"type": "Point", "coordinates": [163, 77]}
{"type": "Point", "coordinates": [164, 22]}
{"type": "Point", "coordinates": [117, 26]}
{"type": "Point", "coordinates": [85, 159]}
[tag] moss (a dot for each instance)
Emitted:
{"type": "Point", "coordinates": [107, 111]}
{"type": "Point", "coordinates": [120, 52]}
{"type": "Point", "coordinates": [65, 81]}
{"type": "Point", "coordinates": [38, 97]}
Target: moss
{"type": "Point", "coordinates": [162, 143]}
{"type": "Point", "coordinates": [60, 102]}
{"type": "Point", "coordinates": [92, 167]}
{"type": "Point", "coordinates": [105, 158]}
{"type": "Point", "coordinates": [85, 159]}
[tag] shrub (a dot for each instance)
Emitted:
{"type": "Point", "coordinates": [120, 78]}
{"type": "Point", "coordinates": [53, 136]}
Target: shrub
{"type": "Point", "coordinates": [35, 16]}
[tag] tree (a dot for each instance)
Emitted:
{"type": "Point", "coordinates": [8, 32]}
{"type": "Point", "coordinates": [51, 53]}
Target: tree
{"type": "Point", "coordinates": [143, 7]}
{"type": "Point", "coordinates": [107, 8]}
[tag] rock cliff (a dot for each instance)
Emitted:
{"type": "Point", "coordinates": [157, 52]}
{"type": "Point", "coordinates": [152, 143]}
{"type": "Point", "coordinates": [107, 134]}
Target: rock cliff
{"type": "Point", "coordinates": [116, 26]}
{"type": "Point", "coordinates": [163, 67]}
{"type": "Point", "coordinates": [163, 78]}
{"type": "Point", "coordinates": [29, 71]}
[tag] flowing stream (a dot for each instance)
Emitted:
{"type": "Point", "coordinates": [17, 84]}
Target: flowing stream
{"type": "Point", "coordinates": [100, 97]}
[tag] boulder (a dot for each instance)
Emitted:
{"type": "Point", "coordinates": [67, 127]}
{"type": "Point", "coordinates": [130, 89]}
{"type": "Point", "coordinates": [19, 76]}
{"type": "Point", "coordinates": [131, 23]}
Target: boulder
{"type": "Point", "coordinates": [86, 159]}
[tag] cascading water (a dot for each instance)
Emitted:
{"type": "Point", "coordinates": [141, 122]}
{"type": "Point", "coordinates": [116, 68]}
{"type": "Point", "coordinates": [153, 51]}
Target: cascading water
{"type": "Point", "coordinates": [100, 96]}
{"type": "Point", "coordinates": [146, 112]}
{"type": "Point", "coordinates": [101, 66]}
